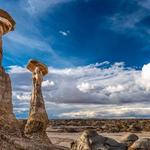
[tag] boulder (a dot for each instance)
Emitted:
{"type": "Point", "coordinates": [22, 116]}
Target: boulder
{"type": "Point", "coordinates": [91, 140]}
{"type": "Point", "coordinates": [141, 144]}
{"type": "Point", "coordinates": [129, 139]}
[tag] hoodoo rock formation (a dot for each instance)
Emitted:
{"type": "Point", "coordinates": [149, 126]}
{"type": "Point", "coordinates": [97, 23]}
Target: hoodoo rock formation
{"type": "Point", "coordinates": [10, 133]}
{"type": "Point", "coordinates": [8, 122]}
{"type": "Point", "coordinates": [7, 24]}
{"type": "Point", "coordinates": [38, 119]}
{"type": "Point", "coordinates": [32, 136]}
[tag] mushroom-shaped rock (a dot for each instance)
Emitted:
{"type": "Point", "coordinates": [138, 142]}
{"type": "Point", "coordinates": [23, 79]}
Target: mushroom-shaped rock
{"type": "Point", "coordinates": [38, 120]}
{"type": "Point", "coordinates": [91, 140]}
{"type": "Point", "coordinates": [10, 134]}
{"type": "Point", "coordinates": [129, 139]}
{"type": "Point", "coordinates": [141, 144]}
{"type": "Point", "coordinates": [6, 22]}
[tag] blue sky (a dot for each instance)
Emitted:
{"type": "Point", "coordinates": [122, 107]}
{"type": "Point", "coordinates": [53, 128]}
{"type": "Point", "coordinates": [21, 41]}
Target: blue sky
{"type": "Point", "coordinates": [98, 47]}
{"type": "Point", "coordinates": [78, 32]}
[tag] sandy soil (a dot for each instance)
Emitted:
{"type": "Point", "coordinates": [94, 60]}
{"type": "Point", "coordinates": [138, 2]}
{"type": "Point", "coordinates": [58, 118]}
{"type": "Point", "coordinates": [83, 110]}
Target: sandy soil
{"type": "Point", "coordinates": [64, 139]}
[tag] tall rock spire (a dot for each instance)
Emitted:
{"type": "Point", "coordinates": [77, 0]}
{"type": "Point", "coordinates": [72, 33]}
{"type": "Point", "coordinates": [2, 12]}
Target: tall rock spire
{"type": "Point", "coordinates": [10, 133]}
{"type": "Point", "coordinates": [8, 122]}
{"type": "Point", "coordinates": [38, 119]}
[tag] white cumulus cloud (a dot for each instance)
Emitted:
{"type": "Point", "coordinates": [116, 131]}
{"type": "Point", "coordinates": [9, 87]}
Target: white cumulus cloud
{"type": "Point", "coordinates": [145, 76]}
{"type": "Point", "coordinates": [99, 87]}
{"type": "Point", "coordinates": [48, 83]}
{"type": "Point", "coordinates": [85, 87]}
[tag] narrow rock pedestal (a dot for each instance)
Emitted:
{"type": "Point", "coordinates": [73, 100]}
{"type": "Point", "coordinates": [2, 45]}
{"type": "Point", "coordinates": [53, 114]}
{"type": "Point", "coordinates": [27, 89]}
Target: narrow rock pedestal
{"type": "Point", "coordinates": [38, 119]}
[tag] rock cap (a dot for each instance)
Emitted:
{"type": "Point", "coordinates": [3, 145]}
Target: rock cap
{"type": "Point", "coordinates": [32, 64]}
{"type": "Point", "coordinates": [5, 15]}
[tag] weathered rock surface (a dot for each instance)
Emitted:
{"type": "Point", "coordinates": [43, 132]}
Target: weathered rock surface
{"type": "Point", "coordinates": [6, 25]}
{"type": "Point", "coordinates": [1, 52]}
{"type": "Point", "coordinates": [141, 144]}
{"type": "Point", "coordinates": [11, 137]}
{"type": "Point", "coordinates": [38, 119]}
{"type": "Point", "coordinates": [42, 67]}
{"type": "Point", "coordinates": [90, 140]}
{"type": "Point", "coordinates": [129, 139]}
{"type": "Point", "coordinates": [8, 122]}
{"type": "Point", "coordinates": [8, 142]}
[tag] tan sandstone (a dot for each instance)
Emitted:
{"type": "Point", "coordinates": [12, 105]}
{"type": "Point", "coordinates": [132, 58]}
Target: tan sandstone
{"type": "Point", "coordinates": [10, 132]}
{"type": "Point", "coordinates": [8, 122]}
{"type": "Point", "coordinates": [141, 144]}
{"type": "Point", "coordinates": [91, 140]}
{"type": "Point", "coordinates": [129, 139]}
{"type": "Point", "coordinates": [38, 119]}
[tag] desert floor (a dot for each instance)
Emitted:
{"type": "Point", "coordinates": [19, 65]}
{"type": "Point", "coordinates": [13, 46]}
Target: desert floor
{"type": "Point", "coordinates": [64, 139]}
